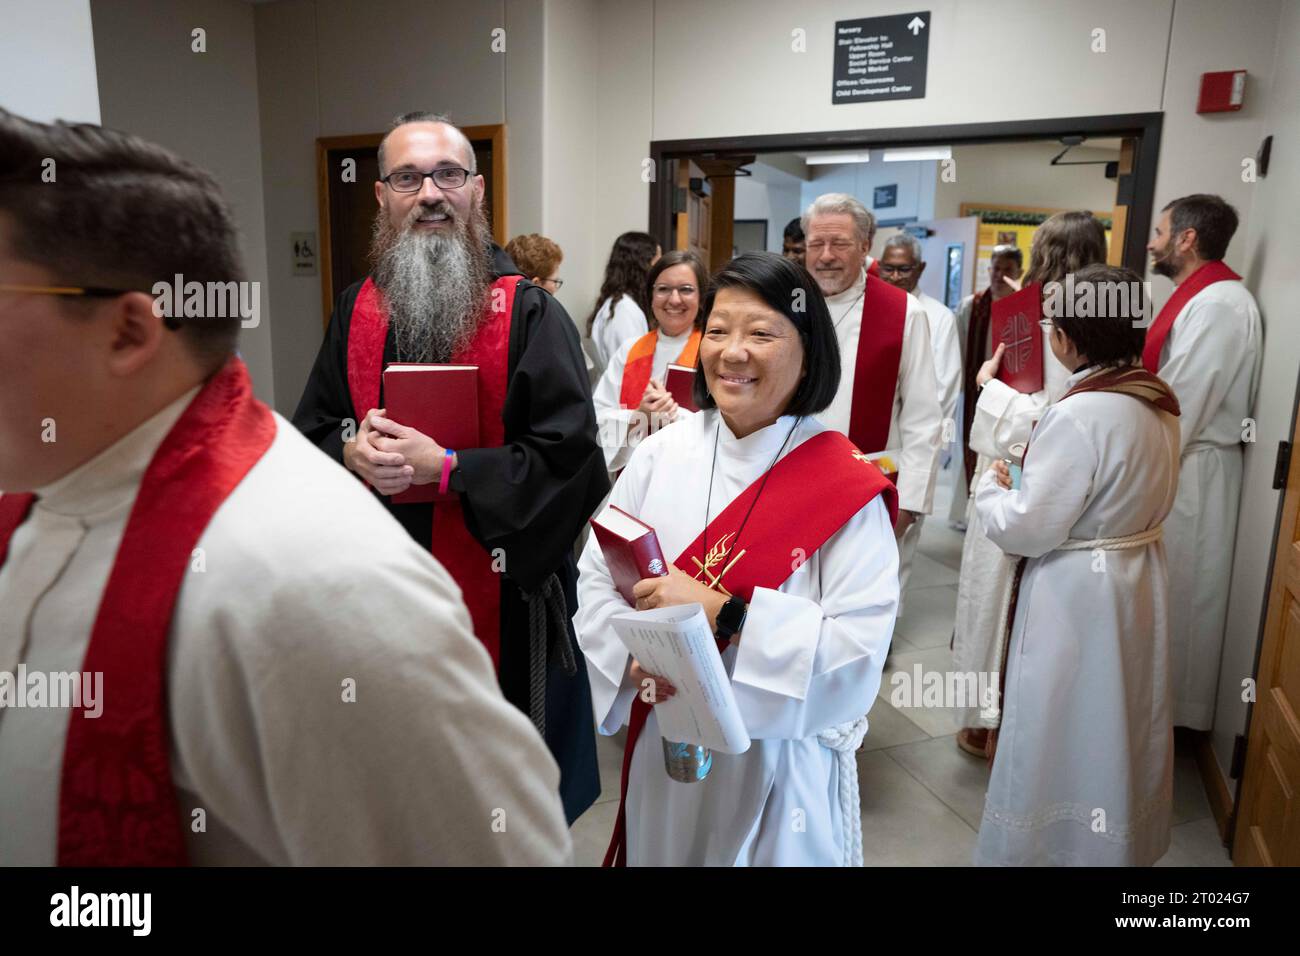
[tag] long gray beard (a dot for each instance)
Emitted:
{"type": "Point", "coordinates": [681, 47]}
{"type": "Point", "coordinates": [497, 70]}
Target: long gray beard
{"type": "Point", "coordinates": [434, 286]}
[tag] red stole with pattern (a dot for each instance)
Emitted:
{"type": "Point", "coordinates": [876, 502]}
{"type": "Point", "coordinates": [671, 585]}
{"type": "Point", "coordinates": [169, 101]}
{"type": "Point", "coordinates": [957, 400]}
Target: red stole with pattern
{"type": "Point", "coordinates": [875, 376]}
{"type": "Point", "coordinates": [1206, 275]}
{"type": "Point", "coordinates": [453, 545]}
{"type": "Point", "coordinates": [786, 522]}
{"type": "Point", "coordinates": [117, 801]}
{"type": "Point", "coordinates": [640, 362]}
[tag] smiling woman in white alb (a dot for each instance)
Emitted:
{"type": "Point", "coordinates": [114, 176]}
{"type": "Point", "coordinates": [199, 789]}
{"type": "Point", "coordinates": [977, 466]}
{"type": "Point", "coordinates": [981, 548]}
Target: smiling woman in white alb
{"type": "Point", "coordinates": [805, 606]}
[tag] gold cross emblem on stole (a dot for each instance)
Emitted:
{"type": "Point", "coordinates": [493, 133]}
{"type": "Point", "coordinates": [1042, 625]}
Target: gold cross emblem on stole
{"type": "Point", "coordinates": [860, 456]}
{"type": "Point", "coordinates": [717, 554]}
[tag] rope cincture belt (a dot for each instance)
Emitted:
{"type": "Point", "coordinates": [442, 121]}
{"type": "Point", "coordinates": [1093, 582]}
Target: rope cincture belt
{"type": "Point", "coordinates": [844, 739]}
{"type": "Point", "coordinates": [548, 600]}
{"type": "Point", "coordinates": [1122, 543]}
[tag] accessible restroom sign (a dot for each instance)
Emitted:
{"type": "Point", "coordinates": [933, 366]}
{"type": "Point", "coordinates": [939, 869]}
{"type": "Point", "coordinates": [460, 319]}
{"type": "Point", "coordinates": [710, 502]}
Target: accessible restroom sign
{"type": "Point", "coordinates": [881, 58]}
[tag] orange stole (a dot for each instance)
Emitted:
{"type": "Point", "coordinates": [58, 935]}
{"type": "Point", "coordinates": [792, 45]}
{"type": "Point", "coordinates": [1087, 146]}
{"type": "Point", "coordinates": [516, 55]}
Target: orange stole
{"type": "Point", "coordinates": [788, 520]}
{"type": "Point", "coordinates": [640, 362]}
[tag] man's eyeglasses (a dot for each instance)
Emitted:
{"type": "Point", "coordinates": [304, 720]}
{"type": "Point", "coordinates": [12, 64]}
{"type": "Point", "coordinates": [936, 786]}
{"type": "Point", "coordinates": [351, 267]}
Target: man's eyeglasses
{"type": "Point", "coordinates": [1046, 324]}
{"type": "Point", "coordinates": [96, 292]}
{"type": "Point", "coordinates": [666, 291]}
{"type": "Point", "coordinates": [896, 270]}
{"type": "Point", "coordinates": [411, 180]}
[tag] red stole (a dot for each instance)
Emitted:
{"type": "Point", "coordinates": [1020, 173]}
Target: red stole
{"type": "Point", "coordinates": [453, 545]}
{"type": "Point", "coordinates": [875, 378]}
{"type": "Point", "coordinates": [640, 362]}
{"type": "Point", "coordinates": [787, 517]}
{"type": "Point", "coordinates": [874, 268]}
{"type": "Point", "coordinates": [1208, 274]}
{"type": "Point", "coordinates": [117, 801]}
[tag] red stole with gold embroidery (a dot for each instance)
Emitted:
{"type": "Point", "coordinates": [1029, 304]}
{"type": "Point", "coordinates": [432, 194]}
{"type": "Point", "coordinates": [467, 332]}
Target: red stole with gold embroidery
{"type": "Point", "coordinates": [786, 524]}
{"type": "Point", "coordinates": [453, 545]}
{"type": "Point", "coordinates": [117, 801]}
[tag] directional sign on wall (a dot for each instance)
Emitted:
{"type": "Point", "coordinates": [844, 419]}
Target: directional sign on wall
{"type": "Point", "coordinates": [881, 58]}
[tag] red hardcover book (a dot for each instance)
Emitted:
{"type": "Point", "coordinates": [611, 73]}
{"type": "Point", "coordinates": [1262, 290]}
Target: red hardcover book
{"type": "Point", "coordinates": [680, 381]}
{"type": "Point", "coordinates": [439, 400]}
{"type": "Point", "coordinates": [631, 549]}
{"type": "Point", "coordinates": [1014, 323]}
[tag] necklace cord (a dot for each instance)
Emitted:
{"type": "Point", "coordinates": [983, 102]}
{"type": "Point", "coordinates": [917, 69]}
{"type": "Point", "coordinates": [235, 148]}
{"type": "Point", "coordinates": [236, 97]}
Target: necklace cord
{"type": "Point", "coordinates": [709, 499]}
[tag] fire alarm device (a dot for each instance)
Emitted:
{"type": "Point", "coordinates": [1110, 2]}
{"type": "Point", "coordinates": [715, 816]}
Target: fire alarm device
{"type": "Point", "coordinates": [1222, 92]}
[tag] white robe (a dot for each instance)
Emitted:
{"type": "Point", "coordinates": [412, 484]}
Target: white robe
{"type": "Point", "coordinates": [915, 423]}
{"type": "Point", "coordinates": [1211, 360]}
{"type": "Point", "coordinates": [947, 369]}
{"type": "Point", "coordinates": [617, 427]}
{"type": "Point", "coordinates": [1003, 418]}
{"type": "Point", "coordinates": [1084, 767]}
{"type": "Point", "coordinates": [810, 657]}
{"type": "Point", "coordinates": [306, 581]}
{"type": "Point", "coordinates": [960, 490]}
{"type": "Point", "coordinates": [945, 346]}
{"type": "Point", "coordinates": [615, 323]}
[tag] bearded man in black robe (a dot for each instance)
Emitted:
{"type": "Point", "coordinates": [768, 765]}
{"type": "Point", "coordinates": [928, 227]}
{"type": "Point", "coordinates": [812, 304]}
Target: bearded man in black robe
{"type": "Point", "coordinates": [508, 512]}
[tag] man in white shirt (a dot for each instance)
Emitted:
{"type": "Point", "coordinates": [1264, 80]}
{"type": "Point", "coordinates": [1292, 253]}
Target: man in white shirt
{"type": "Point", "coordinates": [901, 265]}
{"type": "Point", "coordinates": [893, 407]}
{"type": "Point", "coordinates": [1207, 344]}
{"type": "Point", "coordinates": [287, 678]}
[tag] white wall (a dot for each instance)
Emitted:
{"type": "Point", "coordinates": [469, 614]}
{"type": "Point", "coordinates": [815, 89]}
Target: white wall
{"type": "Point", "coordinates": [1266, 254]}
{"type": "Point", "coordinates": [1203, 153]}
{"type": "Point", "coordinates": [770, 194]}
{"type": "Point", "coordinates": [624, 82]}
{"type": "Point", "coordinates": [202, 105]}
{"type": "Point", "coordinates": [915, 181]}
{"type": "Point", "coordinates": [569, 115]}
{"type": "Point", "coordinates": [1018, 173]}
{"type": "Point", "coordinates": [47, 61]}
{"type": "Point", "coordinates": [333, 68]}
{"type": "Point", "coordinates": [726, 67]}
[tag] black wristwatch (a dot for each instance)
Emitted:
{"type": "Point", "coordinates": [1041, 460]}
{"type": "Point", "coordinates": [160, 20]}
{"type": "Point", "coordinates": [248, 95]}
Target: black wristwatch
{"type": "Point", "coordinates": [731, 618]}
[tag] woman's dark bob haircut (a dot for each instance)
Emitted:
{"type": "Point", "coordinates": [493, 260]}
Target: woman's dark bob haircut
{"type": "Point", "coordinates": [789, 289]}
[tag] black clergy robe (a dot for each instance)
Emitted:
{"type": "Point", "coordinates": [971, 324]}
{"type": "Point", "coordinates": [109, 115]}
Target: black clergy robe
{"type": "Point", "coordinates": [529, 497]}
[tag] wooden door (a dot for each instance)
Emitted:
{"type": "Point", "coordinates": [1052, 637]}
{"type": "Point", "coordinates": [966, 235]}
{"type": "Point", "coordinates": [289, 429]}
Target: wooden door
{"type": "Point", "coordinates": [1268, 818]}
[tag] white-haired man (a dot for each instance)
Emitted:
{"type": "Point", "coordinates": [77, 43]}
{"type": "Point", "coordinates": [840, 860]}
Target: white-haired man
{"type": "Point", "coordinates": [888, 400]}
{"type": "Point", "coordinates": [442, 292]}
{"type": "Point", "coordinates": [901, 264]}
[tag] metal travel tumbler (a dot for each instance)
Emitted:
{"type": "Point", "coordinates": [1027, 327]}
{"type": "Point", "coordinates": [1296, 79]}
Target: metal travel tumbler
{"type": "Point", "coordinates": [687, 763]}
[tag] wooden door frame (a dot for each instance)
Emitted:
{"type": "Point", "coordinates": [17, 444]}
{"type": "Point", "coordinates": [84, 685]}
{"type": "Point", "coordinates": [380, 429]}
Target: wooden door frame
{"type": "Point", "coordinates": [1138, 189]}
{"type": "Point", "coordinates": [1286, 517]}
{"type": "Point", "coordinates": [496, 132]}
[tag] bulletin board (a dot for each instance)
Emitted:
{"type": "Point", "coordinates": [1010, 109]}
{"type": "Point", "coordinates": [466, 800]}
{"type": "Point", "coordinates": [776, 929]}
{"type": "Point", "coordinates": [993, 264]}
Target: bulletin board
{"type": "Point", "coordinates": [1002, 224]}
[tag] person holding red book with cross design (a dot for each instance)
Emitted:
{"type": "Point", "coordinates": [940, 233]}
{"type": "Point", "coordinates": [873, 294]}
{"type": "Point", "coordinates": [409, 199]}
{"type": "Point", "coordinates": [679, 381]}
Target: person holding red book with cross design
{"type": "Point", "coordinates": [1000, 426]}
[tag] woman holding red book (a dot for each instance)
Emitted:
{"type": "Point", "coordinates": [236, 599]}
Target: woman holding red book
{"type": "Point", "coordinates": [632, 399]}
{"type": "Point", "coordinates": [782, 531]}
